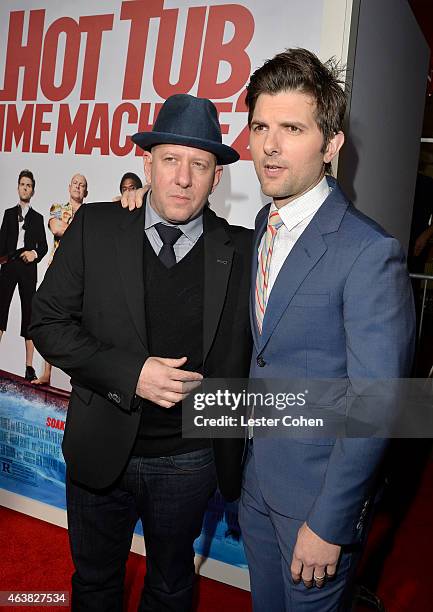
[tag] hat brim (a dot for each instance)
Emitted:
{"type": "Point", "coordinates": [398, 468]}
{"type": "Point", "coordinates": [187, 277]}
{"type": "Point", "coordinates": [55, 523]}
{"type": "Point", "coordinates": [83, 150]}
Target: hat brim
{"type": "Point", "coordinates": [223, 153]}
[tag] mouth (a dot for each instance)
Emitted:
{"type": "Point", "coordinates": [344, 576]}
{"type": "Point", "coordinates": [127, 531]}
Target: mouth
{"type": "Point", "coordinates": [180, 198]}
{"type": "Point", "coordinates": [273, 169]}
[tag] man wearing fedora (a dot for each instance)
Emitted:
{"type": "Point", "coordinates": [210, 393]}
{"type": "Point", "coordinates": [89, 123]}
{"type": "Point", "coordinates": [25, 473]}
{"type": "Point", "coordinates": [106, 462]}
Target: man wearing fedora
{"type": "Point", "coordinates": [167, 304]}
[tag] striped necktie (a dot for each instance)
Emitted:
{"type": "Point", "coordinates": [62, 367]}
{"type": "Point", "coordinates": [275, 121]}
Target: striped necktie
{"type": "Point", "coordinates": [263, 267]}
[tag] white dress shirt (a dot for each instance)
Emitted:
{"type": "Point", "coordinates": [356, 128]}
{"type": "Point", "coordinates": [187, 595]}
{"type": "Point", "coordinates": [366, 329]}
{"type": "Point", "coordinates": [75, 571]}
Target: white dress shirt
{"type": "Point", "coordinates": [21, 231]}
{"type": "Point", "coordinates": [295, 217]}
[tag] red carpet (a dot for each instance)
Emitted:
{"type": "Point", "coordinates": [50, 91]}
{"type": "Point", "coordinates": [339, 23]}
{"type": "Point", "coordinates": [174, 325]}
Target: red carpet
{"type": "Point", "coordinates": [35, 556]}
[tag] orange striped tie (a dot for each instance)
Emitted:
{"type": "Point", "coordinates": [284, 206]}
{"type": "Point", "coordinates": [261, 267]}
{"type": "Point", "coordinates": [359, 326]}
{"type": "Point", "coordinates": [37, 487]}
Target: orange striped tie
{"type": "Point", "coordinates": [263, 267]}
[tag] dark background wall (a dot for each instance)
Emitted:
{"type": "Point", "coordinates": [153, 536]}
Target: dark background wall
{"type": "Point", "coordinates": [423, 11]}
{"type": "Point", "coordinates": [387, 73]}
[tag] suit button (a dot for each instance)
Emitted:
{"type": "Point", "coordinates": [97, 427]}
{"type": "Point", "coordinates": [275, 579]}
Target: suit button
{"type": "Point", "coordinates": [260, 361]}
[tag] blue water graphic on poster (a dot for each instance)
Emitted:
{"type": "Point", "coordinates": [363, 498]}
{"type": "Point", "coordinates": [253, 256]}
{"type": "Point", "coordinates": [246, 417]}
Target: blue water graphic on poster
{"type": "Point", "coordinates": [32, 422]}
{"type": "Point", "coordinates": [31, 433]}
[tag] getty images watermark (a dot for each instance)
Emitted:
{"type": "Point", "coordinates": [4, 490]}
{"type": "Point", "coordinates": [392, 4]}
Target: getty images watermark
{"type": "Point", "coordinates": [245, 404]}
{"type": "Point", "coordinates": [309, 408]}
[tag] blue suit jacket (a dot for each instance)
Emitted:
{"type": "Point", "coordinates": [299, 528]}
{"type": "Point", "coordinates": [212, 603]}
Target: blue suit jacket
{"type": "Point", "coordinates": [341, 307]}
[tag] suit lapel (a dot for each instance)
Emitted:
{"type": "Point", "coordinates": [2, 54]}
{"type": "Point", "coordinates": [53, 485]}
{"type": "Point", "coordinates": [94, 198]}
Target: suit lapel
{"type": "Point", "coordinates": [15, 226]}
{"type": "Point", "coordinates": [260, 229]}
{"type": "Point", "coordinates": [29, 225]}
{"type": "Point", "coordinates": [307, 251]}
{"type": "Point", "coordinates": [218, 259]}
{"type": "Point", "coordinates": [129, 245]}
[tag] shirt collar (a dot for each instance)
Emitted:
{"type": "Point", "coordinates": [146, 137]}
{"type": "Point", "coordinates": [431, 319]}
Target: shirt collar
{"type": "Point", "coordinates": [306, 205]}
{"type": "Point", "coordinates": [192, 230]}
{"type": "Point", "coordinates": [24, 209]}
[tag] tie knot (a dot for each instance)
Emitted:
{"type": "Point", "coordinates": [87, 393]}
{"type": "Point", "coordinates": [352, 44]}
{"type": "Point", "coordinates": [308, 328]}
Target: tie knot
{"type": "Point", "coordinates": [168, 234]}
{"type": "Point", "coordinates": [274, 220]}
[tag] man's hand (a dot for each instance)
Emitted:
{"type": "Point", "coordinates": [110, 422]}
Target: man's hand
{"type": "Point", "coordinates": [313, 559]}
{"type": "Point", "coordinates": [28, 256]}
{"type": "Point", "coordinates": [57, 227]}
{"type": "Point", "coordinates": [162, 382]}
{"type": "Point", "coordinates": [134, 199]}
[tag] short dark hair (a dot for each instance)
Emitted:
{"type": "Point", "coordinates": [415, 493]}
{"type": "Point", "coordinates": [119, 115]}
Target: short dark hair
{"type": "Point", "coordinates": [301, 70]}
{"type": "Point", "coordinates": [27, 174]}
{"type": "Point", "coordinates": [133, 177]}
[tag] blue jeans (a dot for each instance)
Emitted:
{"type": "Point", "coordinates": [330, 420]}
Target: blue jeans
{"type": "Point", "coordinates": [169, 495]}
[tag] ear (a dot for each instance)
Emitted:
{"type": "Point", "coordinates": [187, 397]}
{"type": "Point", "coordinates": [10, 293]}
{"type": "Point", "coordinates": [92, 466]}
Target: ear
{"type": "Point", "coordinates": [217, 177]}
{"type": "Point", "coordinates": [334, 145]}
{"type": "Point", "coordinates": [147, 162]}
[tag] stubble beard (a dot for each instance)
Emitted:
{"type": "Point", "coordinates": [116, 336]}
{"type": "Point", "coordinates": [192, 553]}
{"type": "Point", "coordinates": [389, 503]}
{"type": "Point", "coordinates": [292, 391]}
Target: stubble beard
{"type": "Point", "coordinates": [283, 191]}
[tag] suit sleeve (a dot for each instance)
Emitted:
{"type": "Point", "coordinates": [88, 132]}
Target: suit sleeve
{"type": "Point", "coordinates": [42, 245]}
{"type": "Point", "coordinates": [60, 335]}
{"type": "Point", "coordinates": [3, 236]}
{"type": "Point", "coordinates": [379, 320]}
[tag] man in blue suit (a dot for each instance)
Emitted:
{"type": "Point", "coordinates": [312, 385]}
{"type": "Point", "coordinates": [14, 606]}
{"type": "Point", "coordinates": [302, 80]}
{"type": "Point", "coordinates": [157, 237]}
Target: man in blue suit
{"type": "Point", "coordinates": [331, 299]}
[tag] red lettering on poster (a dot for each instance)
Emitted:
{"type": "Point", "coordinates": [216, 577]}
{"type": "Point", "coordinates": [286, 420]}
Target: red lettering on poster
{"type": "Point", "coordinates": [241, 106]}
{"type": "Point", "coordinates": [19, 128]}
{"type": "Point", "coordinates": [71, 129]}
{"type": "Point", "coordinates": [131, 112]}
{"type": "Point", "coordinates": [94, 26]}
{"type": "Point", "coordinates": [70, 62]}
{"type": "Point", "coordinates": [2, 123]}
{"type": "Point", "coordinates": [241, 143]}
{"type": "Point", "coordinates": [55, 423]}
{"type": "Point", "coordinates": [31, 57]}
{"type": "Point", "coordinates": [139, 12]}
{"type": "Point", "coordinates": [27, 56]}
{"type": "Point", "coordinates": [98, 135]}
{"type": "Point", "coordinates": [223, 107]}
{"type": "Point", "coordinates": [144, 124]}
{"type": "Point", "coordinates": [40, 126]}
{"type": "Point", "coordinates": [233, 52]}
{"type": "Point", "coordinates": [190, 54]}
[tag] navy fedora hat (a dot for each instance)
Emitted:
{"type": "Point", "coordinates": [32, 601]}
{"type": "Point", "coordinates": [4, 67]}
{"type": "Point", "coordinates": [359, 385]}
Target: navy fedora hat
{"type": "Point", "coordinates": [189, 121]}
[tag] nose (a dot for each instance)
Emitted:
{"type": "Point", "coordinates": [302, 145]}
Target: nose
{"type": "Point", "coordinates": [183, 174]}
{"type": "Point", "coordinates": [271, 143]}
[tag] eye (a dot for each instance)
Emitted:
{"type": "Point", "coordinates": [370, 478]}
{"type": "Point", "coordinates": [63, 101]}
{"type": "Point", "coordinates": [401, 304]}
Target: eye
{"type": "Point", "coordinates": [293, 129]}
{"type": "Point", "coordinates": [258, 127]}
{"type": "Point", "coordinates": [200, 165]}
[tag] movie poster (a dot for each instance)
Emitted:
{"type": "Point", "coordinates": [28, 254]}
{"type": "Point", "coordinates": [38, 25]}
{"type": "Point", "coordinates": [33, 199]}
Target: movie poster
{"type": "Point", "coordinates": [76, 80]}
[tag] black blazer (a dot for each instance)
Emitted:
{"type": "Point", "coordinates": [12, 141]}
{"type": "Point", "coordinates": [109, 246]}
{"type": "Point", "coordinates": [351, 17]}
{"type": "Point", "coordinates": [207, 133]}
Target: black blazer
{"type": "Point", "coordinates": [34, 234]}
{"type": "Point", "coordinates": [89, 320]}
